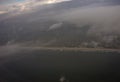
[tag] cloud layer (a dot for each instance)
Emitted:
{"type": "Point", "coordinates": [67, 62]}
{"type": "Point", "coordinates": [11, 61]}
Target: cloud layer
{"type": "Point", "coordinates": [27, 5]}
{"type": "Point", "coordinates": [103, 17]}
{"type": "Point", "coordinates": [106, 18]}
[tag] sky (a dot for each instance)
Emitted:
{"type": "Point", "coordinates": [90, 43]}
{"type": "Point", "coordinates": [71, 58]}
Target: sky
{"type": "Point", "coordinates": [23, 6]}
{"type": "Point", "coordinates": [104, 13]}
{"type": "Point", "coordinates": [12, 8]}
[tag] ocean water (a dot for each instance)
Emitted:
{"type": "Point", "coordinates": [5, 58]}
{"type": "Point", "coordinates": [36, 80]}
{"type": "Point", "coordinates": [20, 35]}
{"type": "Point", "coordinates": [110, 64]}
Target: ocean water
{"type": "Point", "coordinates": [60, 66]}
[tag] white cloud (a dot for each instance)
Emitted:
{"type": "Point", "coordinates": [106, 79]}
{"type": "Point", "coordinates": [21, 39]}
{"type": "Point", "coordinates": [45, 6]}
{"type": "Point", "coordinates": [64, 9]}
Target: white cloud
{"type": "Point", "coordinates": [54, 1]}
{"type": "Point", "coordinates": [55, 26]}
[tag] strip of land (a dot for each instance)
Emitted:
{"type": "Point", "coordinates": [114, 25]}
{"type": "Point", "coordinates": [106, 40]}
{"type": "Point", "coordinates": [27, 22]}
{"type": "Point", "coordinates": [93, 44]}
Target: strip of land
{"type": "Point", "coordinates": [14, 47]}
{"type": "Point", "coordinates": [72, 48]}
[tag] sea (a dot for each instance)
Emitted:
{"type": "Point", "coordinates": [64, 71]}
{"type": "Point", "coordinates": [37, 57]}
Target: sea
{"type": "Point", "coordinates": [46, 65]}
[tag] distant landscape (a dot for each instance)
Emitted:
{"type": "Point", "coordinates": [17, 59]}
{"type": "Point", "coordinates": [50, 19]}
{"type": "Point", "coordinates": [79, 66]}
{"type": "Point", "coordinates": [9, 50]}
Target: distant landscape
{"type": "Point", "coordinates": [59, 40]}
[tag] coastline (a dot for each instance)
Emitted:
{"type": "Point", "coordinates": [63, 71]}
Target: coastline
{"type": "Point", "coordinates": [72, 49]}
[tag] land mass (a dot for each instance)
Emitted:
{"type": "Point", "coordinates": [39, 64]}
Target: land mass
{"type": "Point", "coordinates": [62, 48]}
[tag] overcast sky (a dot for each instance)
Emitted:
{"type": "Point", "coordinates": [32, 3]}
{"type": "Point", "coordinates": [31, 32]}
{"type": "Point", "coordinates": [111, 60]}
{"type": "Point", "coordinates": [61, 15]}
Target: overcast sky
{"type": "Point", "coordinates": [105, 14]}
{"type": "Point", "coordinates": [23, 6]}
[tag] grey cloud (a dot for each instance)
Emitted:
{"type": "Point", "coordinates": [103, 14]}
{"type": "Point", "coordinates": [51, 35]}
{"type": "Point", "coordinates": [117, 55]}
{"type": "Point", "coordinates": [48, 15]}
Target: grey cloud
{"type": "Point", "coordinates": [103, 19]}
{"type": "Point", "coordinates": [4, 1]}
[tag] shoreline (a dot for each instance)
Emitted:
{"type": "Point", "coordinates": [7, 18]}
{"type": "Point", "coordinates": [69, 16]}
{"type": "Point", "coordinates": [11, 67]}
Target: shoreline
{"type": "Point", "coordinates": [57, 48]}
{"type": "Point", "coordinates": [73, 48]}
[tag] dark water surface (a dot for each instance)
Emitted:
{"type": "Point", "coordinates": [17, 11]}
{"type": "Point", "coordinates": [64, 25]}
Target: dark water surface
{"type": "Point", "coordinates": [51, 65]}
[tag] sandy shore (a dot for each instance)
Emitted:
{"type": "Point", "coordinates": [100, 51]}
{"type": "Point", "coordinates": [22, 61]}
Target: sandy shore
{"type": "Point", "coordinates": [72, 48]}
{"type": "Point", "coordinates": [17, 47]}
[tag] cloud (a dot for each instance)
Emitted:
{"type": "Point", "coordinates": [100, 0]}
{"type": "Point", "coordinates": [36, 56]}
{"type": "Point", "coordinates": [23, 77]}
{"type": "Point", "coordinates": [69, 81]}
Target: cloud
{"type": "Point", "coordinates": [28, 5]}
{"type": "Point", "coordinates": [5, 1]}
{"type": "Point", "coordinates": [55, 26]}
{"type": "Point", "coordinates": [55, 1]}
{"type": "Point", "coordinates": [105, 18]}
